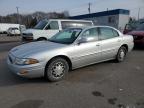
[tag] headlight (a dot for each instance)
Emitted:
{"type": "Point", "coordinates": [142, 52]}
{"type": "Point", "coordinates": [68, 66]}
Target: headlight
{"type": "Point", "coordinates": [25, 61]}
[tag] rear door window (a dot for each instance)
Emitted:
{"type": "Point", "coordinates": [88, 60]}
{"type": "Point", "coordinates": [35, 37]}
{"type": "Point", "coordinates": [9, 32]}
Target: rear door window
{"type": "Point", "coordinates": [107, 33]}
{"type": "Point", "coordinates": [92, 32]}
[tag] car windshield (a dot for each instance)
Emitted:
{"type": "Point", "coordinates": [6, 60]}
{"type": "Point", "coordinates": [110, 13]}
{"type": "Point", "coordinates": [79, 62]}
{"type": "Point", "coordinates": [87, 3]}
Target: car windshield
{"type": "Point", "coordinates": [67, 36]}
{"type": "Point", "coordinates": [140, 27]}
{"type": "Point", "coordinates": [14, 28]}
{"type": "Point", "coordinates": [41, 25]}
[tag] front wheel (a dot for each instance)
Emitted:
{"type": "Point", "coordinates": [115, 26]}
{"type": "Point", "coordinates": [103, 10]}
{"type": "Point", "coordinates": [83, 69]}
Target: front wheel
{"type": "Point", "coordinates": [57, 69]}
{"type": "Point", "coordinates": [121, 54]}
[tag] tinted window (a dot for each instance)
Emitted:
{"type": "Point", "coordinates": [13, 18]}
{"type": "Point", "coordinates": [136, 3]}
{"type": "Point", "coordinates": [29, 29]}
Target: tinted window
{"type": "Point", "coordinates": [91, 33]}
{"type": "Point", "coordinates": [41, 25]}
{"type": "Point", "coordinates": [140, 27]}
{"type": "Point", "coordinates": [67, 36]}
{"type": "Point", "coordinates": [69, 24]}
{"type": "Point", "coordinates": [107, 33]}
{"type": "Point", "coordinates": [14, 28]}
{"type": "Point", "coordinates": [53, 25]}
{"type": "Point", "coordinates": [115, 33]}
{"type": "Point", "coordinates": [128, 27]}
{"type": "Point", "coordinates": [111, 19]}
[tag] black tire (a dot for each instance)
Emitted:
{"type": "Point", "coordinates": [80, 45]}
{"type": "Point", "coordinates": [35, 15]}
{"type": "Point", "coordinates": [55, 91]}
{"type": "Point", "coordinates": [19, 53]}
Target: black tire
{"type": "Point", "coordinates": [121, 54]}
{"type": "Point", "coordinates": [57, 69]}
{"type": "Point", "coordinates": [41, 39]}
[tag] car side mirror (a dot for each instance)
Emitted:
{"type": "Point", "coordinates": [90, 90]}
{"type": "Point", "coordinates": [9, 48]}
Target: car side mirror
{"type": "Point", "coordinates": [82, 40]}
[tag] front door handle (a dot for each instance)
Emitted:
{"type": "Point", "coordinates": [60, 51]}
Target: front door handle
{"type": "Point", "coordinates": [119, 40]}
{"type": "Point", "coordinates": [97, 44]}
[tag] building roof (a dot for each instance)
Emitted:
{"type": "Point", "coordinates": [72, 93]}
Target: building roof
{"type": "Point", "coordinates": [104, 13]}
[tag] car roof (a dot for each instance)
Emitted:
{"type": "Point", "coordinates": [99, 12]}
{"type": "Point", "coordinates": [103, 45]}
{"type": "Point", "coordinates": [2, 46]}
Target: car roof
{"type": "Point", "coordinates": [88, 27]}
{"type": "Point", "coordinates": [68, 20]}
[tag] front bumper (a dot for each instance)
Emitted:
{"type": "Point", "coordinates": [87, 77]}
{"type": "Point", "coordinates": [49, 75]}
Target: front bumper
{"type": "Point", "coordinates": [139, 42]}
{"type": "Point", "coordinates": [27, 39]}
{"type": "Point", "coordinates": [29, 71]}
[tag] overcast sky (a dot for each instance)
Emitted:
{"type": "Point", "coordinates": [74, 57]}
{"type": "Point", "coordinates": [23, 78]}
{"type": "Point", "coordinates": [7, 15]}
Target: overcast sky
{"type": "Point", "coordinates": [75, 7]}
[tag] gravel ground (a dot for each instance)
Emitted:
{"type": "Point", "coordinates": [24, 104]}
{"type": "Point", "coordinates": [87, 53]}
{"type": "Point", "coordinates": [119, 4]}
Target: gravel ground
{"type": "Point", "coordinates": [103, 85]}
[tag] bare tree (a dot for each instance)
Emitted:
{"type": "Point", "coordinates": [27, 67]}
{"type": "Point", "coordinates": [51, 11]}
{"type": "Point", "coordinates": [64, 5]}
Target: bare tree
{"type": "Point", "coordinates": [30, 19]}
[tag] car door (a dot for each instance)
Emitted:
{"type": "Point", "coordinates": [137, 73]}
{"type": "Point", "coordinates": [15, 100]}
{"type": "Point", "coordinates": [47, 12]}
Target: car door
{"type": "Point", "coordinates": [110, 42]}
{"type": "Point", "coordinates": [88, 52]}
{"type": "Point", "coordinates": [51, 29]}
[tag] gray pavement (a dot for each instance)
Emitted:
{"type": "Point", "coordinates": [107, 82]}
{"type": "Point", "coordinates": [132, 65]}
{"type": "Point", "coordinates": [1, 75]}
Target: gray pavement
{"type": "Point", "coordinates": [8, 39]}
{"type": "Point", "coordinates": [103, 85]}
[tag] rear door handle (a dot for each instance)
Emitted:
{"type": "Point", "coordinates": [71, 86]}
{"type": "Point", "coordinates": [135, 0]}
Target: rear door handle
{"type": "Point", "coordinates": [97, 44]}
{"type": "Point", "coordinates": [119, 40]}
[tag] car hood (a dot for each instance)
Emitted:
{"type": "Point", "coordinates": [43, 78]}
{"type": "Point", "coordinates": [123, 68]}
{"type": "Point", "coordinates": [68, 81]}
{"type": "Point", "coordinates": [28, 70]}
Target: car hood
{"type": "Point", "coordinates": [30, 31]}
{"type": "Point", "coordinates": [32, 48]}
{"type": "Point", "coordinates": [136, 33]}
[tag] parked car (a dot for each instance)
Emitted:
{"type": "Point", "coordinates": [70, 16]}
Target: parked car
{"type": "Point", "coordinates": [132, 26]}
{"type": "Point", "coordinates": [128, 28]}
{"type": "Point", "coordinates": [5, 26]}
{"type": "Point", "coordinates": [69, 49]}
{"type": "Point", "coordinates": [138, 35]}
{"type": "Point", "coordinates": [13, 31]}
{"type": "Point", "coordinates": [45, 29]}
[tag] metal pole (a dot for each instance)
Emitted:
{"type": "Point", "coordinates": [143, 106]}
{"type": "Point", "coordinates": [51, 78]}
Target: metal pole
{"type": "Point", "coordinates": [17, 14]}
{"type": "Point", "coordinates": [89, 8]}
{"type": "Point", "coordinates": [139, 14]}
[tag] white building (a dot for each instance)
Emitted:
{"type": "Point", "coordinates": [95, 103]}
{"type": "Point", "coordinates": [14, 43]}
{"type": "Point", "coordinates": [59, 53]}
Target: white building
{"type": "Point", "coordinates": [117, 18]}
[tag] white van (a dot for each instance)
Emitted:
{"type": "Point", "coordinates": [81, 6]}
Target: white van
{"type": "Point", "coordinates": [45, 29]}
{"type": "Point", "coordinates": [13, 31]}
{"type": "Point", "coordinates": [5, 26]}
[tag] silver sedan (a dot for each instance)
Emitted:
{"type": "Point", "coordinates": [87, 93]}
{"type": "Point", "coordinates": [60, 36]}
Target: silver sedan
{"type": "Point", "coordinates": [69, 49]}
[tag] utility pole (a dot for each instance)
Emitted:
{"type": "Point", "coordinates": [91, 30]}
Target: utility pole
{"type": "Point", "coordinates": [138, 13]}
{"type": "Point", "coordinates": [89, 8]}
{"type": "Point", "coordinates": [17, 14]}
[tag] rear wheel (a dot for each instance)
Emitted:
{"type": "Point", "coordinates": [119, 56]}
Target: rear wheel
{"type": "Point", "coordinates": [57, 69]}
{"type": "Point", "coordinates": [121, 54]}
